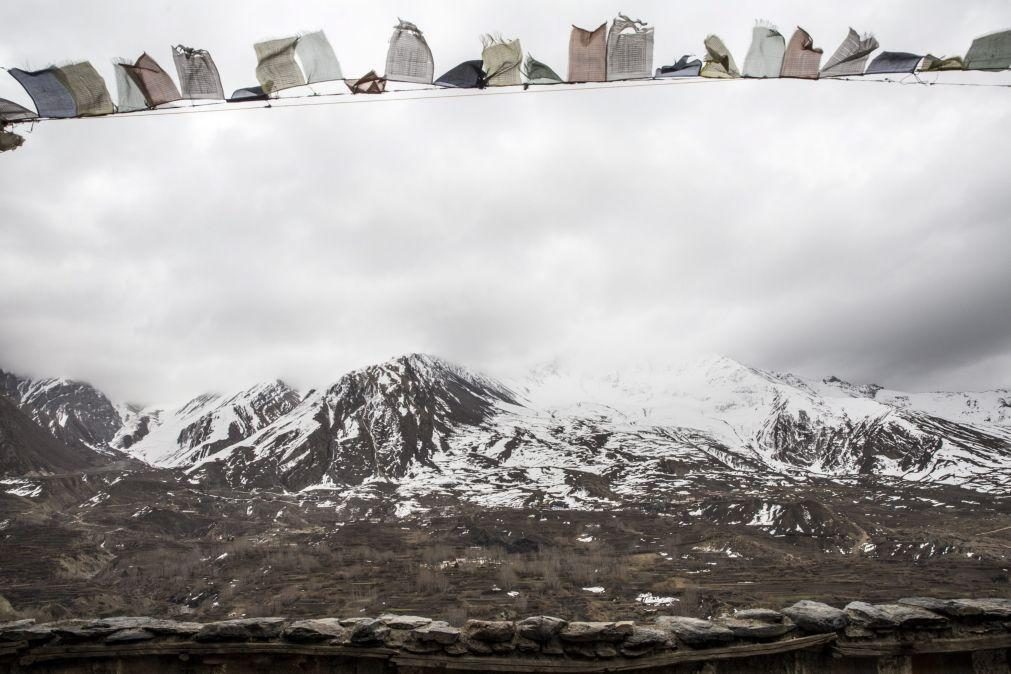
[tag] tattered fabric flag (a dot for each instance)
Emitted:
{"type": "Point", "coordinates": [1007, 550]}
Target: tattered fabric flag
{"type": "Point", "coordinates": [198, 76]}
{"type": "Point", "coordinates": [156, 84]}
{"type": "Point", "coordinates": [990, 52]}
{"type": "Point", "coordinates": [276, 68]}
{"type": "Point", "coordinates": [765, 56]}
{"type": "Point", "coordinates": [247, 94]}
{"type": "Point", "coordinates": [802, 59]}
{"type": "Point", "coordinates": [370, 83]}
{"type": "Point", "coordinates": [501, 60]}
{"type": "Point", "coordinates": [88, 89]}
{"type": "Point", "coordinates": [850, 58]}
{"type": "Point", "coordinates": [409, 58]}
{"type": "Point", "coordinates": [629, 49]}
{"type": "Point", "coordinates": [48, 92]}
{"type": "Point", "coordinates": [683, 68]}
{"type": "Point", "coordinates": [10, 141]}
{"type": "Point", "coordinates": [131, 98]}
{"type": "Point", "coordinates": [588, 54]}
{"type": "Point", "coordinates": [933, 64]}
{"type": "Point", "coordinates": [893, 62]}
{"type": "Point", "coordinates": [319, 62]}
{"type": "Point", "coordinates": [12, 112]}
{"type": "Point", "coordinates": [467, 75]}
{"type": "Point", "coordinates": [539, 73]}
{"type": "Point", "coordinates": [718, 61]}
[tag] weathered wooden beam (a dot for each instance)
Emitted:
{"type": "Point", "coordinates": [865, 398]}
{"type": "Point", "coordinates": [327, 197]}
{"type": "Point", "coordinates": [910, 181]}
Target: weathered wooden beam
{"type": "Point", "coordinates": [190, 648]}
{"type": "Point", "coordinates": [876, 649]}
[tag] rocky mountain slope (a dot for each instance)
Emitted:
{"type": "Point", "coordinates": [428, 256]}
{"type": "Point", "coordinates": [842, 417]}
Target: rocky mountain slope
{"type": "Point", "coordinates": [204, 425]}
{"type": "Point", "coordinates": [417, 428]}
{"type": "Point", "coordinates": [703, 484]}
{"type": "Point", "coordinates": [430, 428]}
{"type": "Point", "coordinates": [75, 413]}
{"type": "Point", "coordinates": [26, 449]}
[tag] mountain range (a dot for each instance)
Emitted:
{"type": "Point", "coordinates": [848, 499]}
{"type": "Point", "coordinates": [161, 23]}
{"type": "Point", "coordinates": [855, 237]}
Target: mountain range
{"type": "Point", "coordinates": [418, 428]}
{"type": "Point", "coordinates": [416, 483]}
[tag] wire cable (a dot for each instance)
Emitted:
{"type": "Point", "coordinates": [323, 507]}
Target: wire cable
{"type": "Point", "coordinates": [441, 93]}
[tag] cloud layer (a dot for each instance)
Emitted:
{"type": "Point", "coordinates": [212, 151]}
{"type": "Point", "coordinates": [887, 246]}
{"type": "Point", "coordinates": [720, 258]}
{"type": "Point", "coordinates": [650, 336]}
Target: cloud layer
{"type": "Point", "coordinates": [838, 228]}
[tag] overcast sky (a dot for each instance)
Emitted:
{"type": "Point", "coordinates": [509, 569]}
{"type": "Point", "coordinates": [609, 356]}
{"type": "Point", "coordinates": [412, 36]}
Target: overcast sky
{"type": "Point", "coordinates": [855, 229]}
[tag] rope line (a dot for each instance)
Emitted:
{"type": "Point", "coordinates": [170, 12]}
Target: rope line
{"type": "Point", "coordinates": [305, 100]}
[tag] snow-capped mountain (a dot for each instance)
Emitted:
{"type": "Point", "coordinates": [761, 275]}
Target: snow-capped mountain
{"type": "Point", "coordinates": [426, 428]}
{"type": "Point", "coordinates": [27, 449]}
{"type": "Point", "coordinates": [185, 435]}
{"type": "Point", "coordinates": [75, 413]}
{"type": "Point", "coordinates": [377, 422]}
{"type": "Point", "coordinates": [418, 430]}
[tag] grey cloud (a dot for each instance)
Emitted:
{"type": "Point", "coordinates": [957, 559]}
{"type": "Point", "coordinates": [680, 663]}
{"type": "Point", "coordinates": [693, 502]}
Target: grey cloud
{"type": "Point", "coordinates": [830, 228]}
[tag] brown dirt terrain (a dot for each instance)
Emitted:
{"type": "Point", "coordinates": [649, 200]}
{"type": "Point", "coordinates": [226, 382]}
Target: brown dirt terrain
{"type": "Point", "coordinates": [148, 544]}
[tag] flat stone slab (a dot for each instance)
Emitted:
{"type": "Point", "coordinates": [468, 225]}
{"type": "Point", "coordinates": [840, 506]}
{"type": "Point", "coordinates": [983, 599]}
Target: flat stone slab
{"type": "Point", "coordinates": [815, 617]}
{"type": "Point", "coordinates": [644, 640]}
{"type": "Point", "coordinates": [173, 628]}
{"type": "Point", "coordinates": [541, 629]}
{"type": "Point", "coordinates": [584, 632]}
{"type": "Point", "coordinates": [994, 608]}
{"type": "Point", "coordinates": [15, 630]}
{"type": "Point", "coordinates": [403, 622]}
{"type": "Point", "coordinates": [244, 629]}
{"type": "Point", "coordinates": [153, 625]}
{"type": "Point", "coordinates": [489, 631]}
{"type": "Point", "coordinates": [999, 609]}
{"type": "Point", "coordinates": [438, 632]}
{"type": "Point", "coordinates": [129, 636]}
{"type": "Point", "coordinates": [123, 622]}
{"type": "Point", "coordinates": [314, 631]}
{"type": "Point", "coordinates": [757, 629]}
{"type": "Point", "coordinates": [766, 615]}
{"type": "Point", "coordinates": [77, 634]}
{"type": "Point", "coordinates": [15, 624]}
{"type": "Point", "coordinates": [696, 632]}
{"type": "Point", "coordinates": [893, 616]}
{"type": "Point", "coordinates": [368, 633]}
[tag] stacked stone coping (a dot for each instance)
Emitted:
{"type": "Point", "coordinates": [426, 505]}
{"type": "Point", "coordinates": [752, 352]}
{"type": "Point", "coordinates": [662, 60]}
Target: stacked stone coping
{"type": "Point", "coordinates": [914, 618]}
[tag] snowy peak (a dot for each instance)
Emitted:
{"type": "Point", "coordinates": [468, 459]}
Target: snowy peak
{"type": "Point", "coordinates": [861, 391]}
{"type": "Point", "coordinates": [75, 413]}
{"type": "Point", "coordinates": [421, 427]}
{"type": "Point", "coordinates": [372, 423]}
{"type": "Point", "coordinates": [205, 424]}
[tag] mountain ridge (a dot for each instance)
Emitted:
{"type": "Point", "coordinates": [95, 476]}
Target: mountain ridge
{"type": "Point", "coordinates": [428, 428]}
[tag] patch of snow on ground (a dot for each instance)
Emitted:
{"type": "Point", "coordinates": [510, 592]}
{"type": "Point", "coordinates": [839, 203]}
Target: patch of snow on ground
{"type": "Point", "coordinates": [22, 488]}
{"type": "Point", "coordinates": [651, 599]}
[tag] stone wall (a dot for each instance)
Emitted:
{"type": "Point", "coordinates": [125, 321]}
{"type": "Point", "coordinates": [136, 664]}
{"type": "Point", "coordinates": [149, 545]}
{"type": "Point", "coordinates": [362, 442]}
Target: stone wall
{"type": "Point", "coordinates": [915, 635]}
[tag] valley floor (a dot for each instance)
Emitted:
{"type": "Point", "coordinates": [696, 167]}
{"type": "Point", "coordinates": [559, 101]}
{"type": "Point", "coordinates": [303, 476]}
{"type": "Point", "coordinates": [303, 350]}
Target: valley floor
{"type": "Point", "coordinates": [145, 543]}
